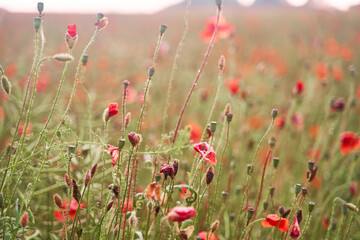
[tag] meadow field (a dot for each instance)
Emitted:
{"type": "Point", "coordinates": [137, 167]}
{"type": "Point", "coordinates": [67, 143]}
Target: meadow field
{"type": "Point", "coordinates": [197, 122]}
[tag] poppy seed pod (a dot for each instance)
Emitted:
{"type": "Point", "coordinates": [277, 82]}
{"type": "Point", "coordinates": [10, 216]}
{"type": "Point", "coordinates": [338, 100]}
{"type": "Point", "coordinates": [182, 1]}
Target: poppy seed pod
{"type": "Point", "coordinates": [40, 7]}
{"type": "Point", "coordinates": [250, 213]}
{"type": "Point", "coordinates": [276, 161]}
{"type": "Point", "coordinates": [297, 189]}
{"type": "Point", "coordinates": [281, 210]}
{"type": "Point", "coordinates": [37, 23]}
{"type": "Point", "coordinates": [265, 204]}
{"type": "Point", "coordinates": [126, 83]}
{"type": "Point", "coordinates": [311, 206]}
{"type": "Point", "coordinates": [121, 144]}
{"type": "Point", "coordinates": [85, 59]}
{"type": "Point", "coordinates": [274, 113]}
{"type": "Point", "coordinates": [151, 72]}
{"type": "Point", "coordinates": [163, 28]}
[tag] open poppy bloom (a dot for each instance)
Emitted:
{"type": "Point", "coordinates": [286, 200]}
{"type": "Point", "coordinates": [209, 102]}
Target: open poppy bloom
{"type": "Point", "coordinates": [180, 214]}
{"type": "Point", "coordinates": [232, 85]}
{"type": "Point", "coordinates": [295, 231]}
{"type": "Point", "coordinates": [114, 152]}
{"type": "Point", "coordinates": [73, 207]}
{"type": "Point", "coordinates": [224, 31]}
{"type": "Point", "coordinates": [349, 143]}
{"type": "Point", "coordinates": [204, 236]}
{"type": "Point", "coordinates": [195, 131]}
{"type": "Point", "coordinates": [321, 71]}
{"type": "Point", "coordinates": [299, 87]}
{"type": "Point", "coordinates": [203, 148]}
{"type": "Point", "coordinates": [113, 109]}
{"type": "Point", "coordinates": [272, 220]}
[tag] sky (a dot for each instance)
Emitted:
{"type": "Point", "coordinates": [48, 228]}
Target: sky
{"type": "Point", "coordinates": [138, 6]}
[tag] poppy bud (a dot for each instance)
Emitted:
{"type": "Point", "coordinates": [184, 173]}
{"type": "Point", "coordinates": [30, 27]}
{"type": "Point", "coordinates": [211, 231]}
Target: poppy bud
{"type": "Point", "coordinates": [209, 175]}
{"type": "Point", "coordinates": [79, 233]}
{"type": "Point", "coordinates": [24, 219]}
{"type": "Point", "coordinates": [151, 72]}
{"type": "Point", "coordinates": [272, 142]}
{"type": "Point", "coordinates": [6, 84]}
{"type": "Point", "coordinates": [213, 126]}
{"type": "Point", "coordinates": [215, 226]}
{"type": "Point", "coordinates": [272, 191]}
{"type": "Point", "coordinates": [221, 62]}
{"type": "Point", "coordinates": [311, 165]}
{"type": "Point", "coordinates": [71, 150]}
{"type": "Point", "coordinates": [299, 216]}
{"type": "Point", "coordinates": [265, 204]}
{"type": "Point", "coordinates": [85, 59]}
{"type": "Point", "coordinates": [126, 84]}
{"type": "Point", "coordinates": [115, 189]}
{"type": "Point", "coordinates": [127, 119]}
{"type": "Point", "coordinates": [227, 109]}
{"type": "Point", "coordinates": [250, 213]}
{"type": "Point", "coordinates": [297, 189]}
{"type": "Point", "coordinates": [274, 113]}
{"type": "Point", "coordinates": [281, 210]}
{"type": "Point", "coordinates": [76, 192]}
{"type": "Point", "coordinates": [121, 144]}
{"type": "Point", "coordinates": [100, 16]}
{"type": "Point", "coordinates": [109, 205]}
{"type": "Point", "coordinates": [40, 7]}
{"type": "Point", "coordinates": [249, 169]}
{"type": "Point", "coordinates": [163, 28]}
{"type": "Point", "coordinates": [93, 170]}
{"type": "Point", "coordinates": [176, 167]}
{"type": "Point", "coordinates": [286, 213]}
{"type": "Point", "coordinates": [71, 36]}
{"type": "Point", "coordinates": [63, 57]}
{"type": "Point", "coordinates": [311, 206]}
{"type": "Point", "coordinates": [37, 23]}
{"type": "Point", "coordinates": [58, 201]}
{"type": "Point", "coordinates": [276, 161]}
{"type": "Point", "coordinates": [134, 138]}
{"type": "Point", "coordinates": [67, 180]}
{"type": "Point", "coordinates": [229, 117]}
{"type": "Point", "coordinates": [352, 207]}
{"type": "Point", "coordinates": [87, 177]}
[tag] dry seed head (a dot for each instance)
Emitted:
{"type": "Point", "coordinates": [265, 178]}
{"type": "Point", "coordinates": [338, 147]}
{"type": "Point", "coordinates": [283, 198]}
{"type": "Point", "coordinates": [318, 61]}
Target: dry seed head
{"type": "Point", "coordinates": [58, 201]}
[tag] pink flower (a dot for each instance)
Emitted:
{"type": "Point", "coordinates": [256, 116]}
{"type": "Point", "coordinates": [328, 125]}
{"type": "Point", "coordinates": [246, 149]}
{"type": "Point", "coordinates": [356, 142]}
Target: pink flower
{"type": "Point", "coordinates": [179, 214]}
{"type": "Point", "coordinates": [202, 148]}
{"type": "Point", "coordinates": [73, 207]}
{"type": "Point", "coordinates": [295, 231]}
{"type": "Point", "coordinates": [225, 29]}
{"type": "Point", "coordinates": [114, 152]}
{"type": "Point", "coordinates": [72, 30]}
{"type": "Point", "coordinates": [113, 109]}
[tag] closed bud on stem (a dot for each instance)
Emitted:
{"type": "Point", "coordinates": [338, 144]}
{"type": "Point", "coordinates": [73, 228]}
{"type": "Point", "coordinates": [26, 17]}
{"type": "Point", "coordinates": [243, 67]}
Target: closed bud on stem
{"type": "Point", "coordinates": [109, 205]}
{"type": "Point", "coordinates": [87, 177]}
{"type": "Point", "coordinates": [213, 126]}
{"type": "Point", "coordinates": [311, 165]}
{"type": "Point", "coordinates": [227, 109]}
{"type": "Point", "coordinates": [127, 119]}
{"type": "Point", "coordinates": [215, 226]}
{"type": "Point", "coordinates": [116, 230]}
{"type": "Point", "coordinates": [102, 23]}
{"type": "Point", "coordinates": [76, 192]}
{"type": "Point", "coordinates": [106, 115]}
{"type": "Point", "coordinates": [163, 28]}
{"type": "Point", "coordinates": [58, 201]}
{"type": "Point", "coordinates": [297, 189]}
{"type": "Point", "coordinates": [265, 204]}
{"type": "Point", "coordinates": [274, 113]}
{"type": "Point", "coordinates": [229, 117]}
{"type": "Point", "coordinates": [299, 216]}
{"type": "Point", "coordinates": [276, 161]}
{"type": "Point", "coordinates": [176, 167]}
{"type": "Point", "coordinates": [209, 175]}
{"type": "Point", "coordinates": [286, 213]}
{"type": "Point", "coordinates": [93, 170]}
{"type": "Point", "coordinates": [6, 85]}
{"type": "Point", "coordinates": [352, 207]}
{"type": "Point", "coordinates": [272, 142]}
{"type": "Point", "coordinates": [250, 213]}
{"type": "Point", "coordinates": [85, 59]}
{"type": "Point", "coordinates": [126, 83]}
{"type": "Point", "coordinates": [272, 191]}
{"type": "Point", "coordinates": [121, 144]}
{"type": "Point", "coordinates": [151, 72]}
{"type": "Point", "coordinates": [222, 62]}
{"type": "Point", "coordinates": [311, 207]}
{"type": "Point", "coordinates": [63, 57]}
{"type": "Point", "coordinates": [249, 169]}
{"type": "Point", "coordinates": [24, 219]}
{"type": "Point", "coordinates": [134, 138]}
{"type": "Point", "coordinates": [37, 23]}
{"type": "Point", "coordinates": [40, 7]}
{"type": "Point", "coordinates": [281, 210]}
{"type": "Point", "coordinates": [67, 180]}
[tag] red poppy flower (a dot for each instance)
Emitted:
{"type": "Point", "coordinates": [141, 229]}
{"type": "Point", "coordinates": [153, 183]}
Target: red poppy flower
{"type": "Point", "coordinates": [28, 129]}
{"type": "Point", "coordinates": [298, 121]}
{"type": "Point", "coordinates": [202, 148]}
{"type": "Point", "coordinates": [346, 53]}
{"type": "Point", "coordinates": [1, 113]}
{"type": "Point", "coordinates": [195, 132]}
{"type": "Point", "coordinates": [224, 29]}
{"type": "Point", "coordinates": [114, 152]}
{"type": "Point", "coordinates": [349, 142]}
{"type": "Point", "coordinates": [295, 231]}
{"type": "Point", "coordinates": [206, 236]}
{"type": "Point", "coordinates": [128, 206]}
{"type": "Point", "coordinates": [332, 47]}
{"type": "Point", "coordinates": [337, 74]}
{"type": "Point", "coordinates": [179, 214]}
{"type": "Point", "coordinates": [272, 220]}
{"type": "Point", "coordinates": [167, 170]}
{"type": "Point", "coordinates": [280, 122]}
{"type": "Point", "coordinates": [299, 87]}
{"type": "Point", "coordinates": [321, 71]}
{"type": "Point", "coordinates": [73, 207]}
{"type": "Point", "coordinates": [183, 190]}
{"type": "Point", "coordinates": [232, 85]}
{"type": "Point", "coordinates": [113, 109]}
{"type": "Point", "coordinates": [72, 30]}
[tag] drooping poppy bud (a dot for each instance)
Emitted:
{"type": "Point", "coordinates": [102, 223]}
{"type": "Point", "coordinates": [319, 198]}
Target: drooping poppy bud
{"type": "Point", "coordinates": [167, 170]}
{"type": "Point", "coordinates": [58, 201]}
{"type": "Point", "coordinates": [210, 175]}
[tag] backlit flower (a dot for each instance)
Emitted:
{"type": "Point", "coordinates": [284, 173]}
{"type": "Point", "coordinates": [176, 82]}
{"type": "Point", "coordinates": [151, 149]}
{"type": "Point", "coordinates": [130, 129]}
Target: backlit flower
{"type": "Point", "coordinates": [349, 142]}
{"type": "Point", "coordinates": [71, 36]}
{"type": "Point", "coordinates": [232, 85]}
{"type": "Point", "coordinates": [203, 149]}
{"type": "Point", "coordinates": [272, 220]}
{"type": "Point", "coordinates": [113, 109]}
{"type": "Point", "coordinates": [206, 236]}
{"type": "Point", "coordinates": [179, 214]}
{"type": "Point", "coordinates": [114, 152]}
{"type": "Point", "coordinates": [224, 31]}
{"type": "Point", "coordinates": [299, 87]}
{"type": "Point", "coordinates": [295, 231]}
{"type": "Point", "coordinates": [195, 131]}
{"type": "Point", "coordinates": [73, 207]}
{"type": "Point", "coordinates": [321, 71]}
